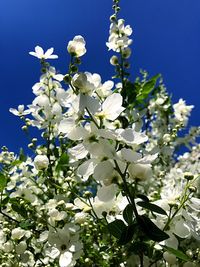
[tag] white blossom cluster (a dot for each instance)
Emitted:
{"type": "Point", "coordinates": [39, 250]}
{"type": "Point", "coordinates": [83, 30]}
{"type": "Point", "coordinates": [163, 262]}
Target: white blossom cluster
{"type": "Point", "coordinates": [103, 186]}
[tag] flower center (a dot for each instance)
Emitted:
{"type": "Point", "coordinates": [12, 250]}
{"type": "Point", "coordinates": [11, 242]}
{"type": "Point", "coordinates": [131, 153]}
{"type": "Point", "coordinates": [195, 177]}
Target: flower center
{"type": "Point", "coordinates": [63, 247]}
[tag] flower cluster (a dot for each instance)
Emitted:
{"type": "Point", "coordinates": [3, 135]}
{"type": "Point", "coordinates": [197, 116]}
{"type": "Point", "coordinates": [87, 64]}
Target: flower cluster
{"type": "Point", "coordinates": [103, 185]}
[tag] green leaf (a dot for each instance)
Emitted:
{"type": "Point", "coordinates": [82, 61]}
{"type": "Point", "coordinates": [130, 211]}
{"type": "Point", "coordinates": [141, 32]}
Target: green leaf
{"type": "Point", "coordinates": [150, 229]}
{"type": "Point", "coordinates": [143, 197]}
{"type": "Point", "coordinates": [147, 88]}
{"type": "Point", "coordinates": [16, 162]}
{"type": "Point", "coordinates": [127, 235]}
{"type": "Point", "coordinates": [56, 152]}
{"type": "Point", "coordinates": [151, 207]}
{"type": "Point", "coordinates": [128, 214]}
{"type": "Point", "coordinates": [22, 156]}
{"type": "Point", "coordinates": [3, 181]}
{"type": "Point", "coordinates": [179, 254]}
{"type": "Point", "coordinates": [116, 228]}
{"type": "Point", "coordinates": [5, 201]}
{"type": "Point", "coordinates": [63, 162]}
{"type": "Point", "coordinates": [26, 225]}
{"type": "Point", "coordinates": [19, 209]}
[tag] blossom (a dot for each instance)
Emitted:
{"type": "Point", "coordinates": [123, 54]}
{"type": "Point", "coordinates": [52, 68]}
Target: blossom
{"type": "Point", "coordinates": [65, 245]}
{"type": "Point", "coordinates": [18, 233]}
{"type": "Point", "coordinates": [41, 162]}
{"type": "Point", "coordinates": [77, 46]}
{"type": "Point", "coordinates": [119, 37]}
{"type": "Point", "coordinates": [39, 53]}
{"type": "Point", "coordinates": [111, 107]}
{"type": "Point", "coordinates": [20, 111]}
{"type": "Point", "coordinates": [182, 111]}
{"type": "Point", "coordinates": [140, 171]}
{"type": "Point", "coordinates": [83, 83]}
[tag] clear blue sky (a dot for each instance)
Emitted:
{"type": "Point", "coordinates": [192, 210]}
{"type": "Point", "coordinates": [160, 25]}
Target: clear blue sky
{"type": "Point", "coordinates": [166, 40]}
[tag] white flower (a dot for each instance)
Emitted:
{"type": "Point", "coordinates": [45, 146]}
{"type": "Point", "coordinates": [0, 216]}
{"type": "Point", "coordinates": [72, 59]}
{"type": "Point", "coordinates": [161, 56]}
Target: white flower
{"type": "Point", "coordinates": [26, 193]}
{"type": "Point", "coordinates": [8, 246]}
{"type": "Point", "coordinates": [77, 46]}
{"type": "Point", "coordinates": [111, 107]}
{"type": "Point", "coordinates": [39, 53]}
{"type": "Point", "coordinates": [18, 233]}
{"type": "Point", "coordinates": [130, 137]}
{"type": "Point", "coordinates": [20, 111]}
{"type": "Point", "coordinates": [41, 162]}
{"type": "Point", "coordinates": [83, 82]}
{"type": "Point", "coordinates": [119, 36]}
{"type": "Point", "coordinates": [65, 244]}
{"type": "Point", "coordinates": [182, 111]}
{"type": "Point", "coordinates": [21, 247]}
{"type": "Point", "coordinates": [140, 171]}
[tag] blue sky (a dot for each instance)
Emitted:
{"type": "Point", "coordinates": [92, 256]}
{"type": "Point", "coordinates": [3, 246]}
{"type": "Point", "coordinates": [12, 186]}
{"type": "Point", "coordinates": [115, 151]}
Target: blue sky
{"type": "Point", "coordinates": [166, 40]}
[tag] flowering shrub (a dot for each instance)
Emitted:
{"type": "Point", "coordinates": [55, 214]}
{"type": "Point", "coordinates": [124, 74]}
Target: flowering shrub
{"type": "Point", "coordinates": [105, 186]}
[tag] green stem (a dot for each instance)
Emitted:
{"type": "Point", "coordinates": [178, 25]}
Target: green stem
{"type": "Point", "coordinates": [183, 200]}
{"type": "Point", "coordinates": [126, 189]}
{"type": "Point", "coordinates": [92, 118]}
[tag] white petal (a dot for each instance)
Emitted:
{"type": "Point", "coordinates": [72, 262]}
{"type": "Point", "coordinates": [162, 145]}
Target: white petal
{"type": "Point", "coordinates": [33, 54]}
{"type": "Point", "coordinates": [66, 125]}
{"type": "Point", "coordinates": [39, 51]}
{"type": "Point", "coordinates": [128, 135]}
{"type": "Point", "coordinates": [107, 193]}
{"type": "Point", "coordinates": [103, 170]}
{"type": "Point", "coordinates": [148, 159]}
{"type": "Point", "coordinates": [181, 229]}
{"type": "Point", "coordinates": [86, 169]}
{"type": "Point", "coordinates": [78, 151]}
{"type": "Point", "coordinates": [112, 106]}
{"type": "Point", "coordinates": [48, 52]}
{"type": "Point", "coordinates": [113, 115]}
{"type": "Point", "coordinates": [129, 155]}
{"type": "Point", "coordinates": [92, 104]}
{"type": "Point", "coordinates": [54, 253]}
{"type": "Point", "coordinates": [53, 56]}
{"type": "Point", "coordinates": [77, 133]}
{"type": "Point", "coordinates": [140, 138]}
{"type": "Point", "coordinates": [58, 77]}
{"type": "Point", "coordinates": [65, 259]}
{"type": "Point", "coordinates": [108, 85]}
{"type": "Point", "coordinates": [172, 241]}
{"type": "Point", "coordinates": [14, 111]}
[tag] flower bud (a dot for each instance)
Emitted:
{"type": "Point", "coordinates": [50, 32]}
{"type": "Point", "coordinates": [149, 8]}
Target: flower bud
{"type": "Point", "coordinates": [41, 162]}
{"type": "Point", "coordinates": [77, 46]}
{"type": "Point", "coordinates": [192, 189]}
{"type": "Point", "coordinates": [126, 52]}
{"type": "Point", "coordinates": [167, 138]}
{"type": "Point", "coordinates": [24, 128]}
{"type": "Point", "coordinates": [112, 18]}
{"type": "Point", "coordinates": [170, 258]}
{"type": "Point", "coordinates": [87, 194]}
{"type": "Point", "coordinates": [77, 60]}
{"type": "Point", "coordinates": [188, 176]}
{"type": "Point", "coordinates": [31, 145]}
{"type": "Point", "coordinates": [127, 65]}
{"type": "Point", "coordinates": [189, 253]}
{"type": "Point", "coordinates": [67, 78]}
{"type": "Point", "coordinates": [74, 68]}
{"type": "Point", "coordinates": [114, 60]}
